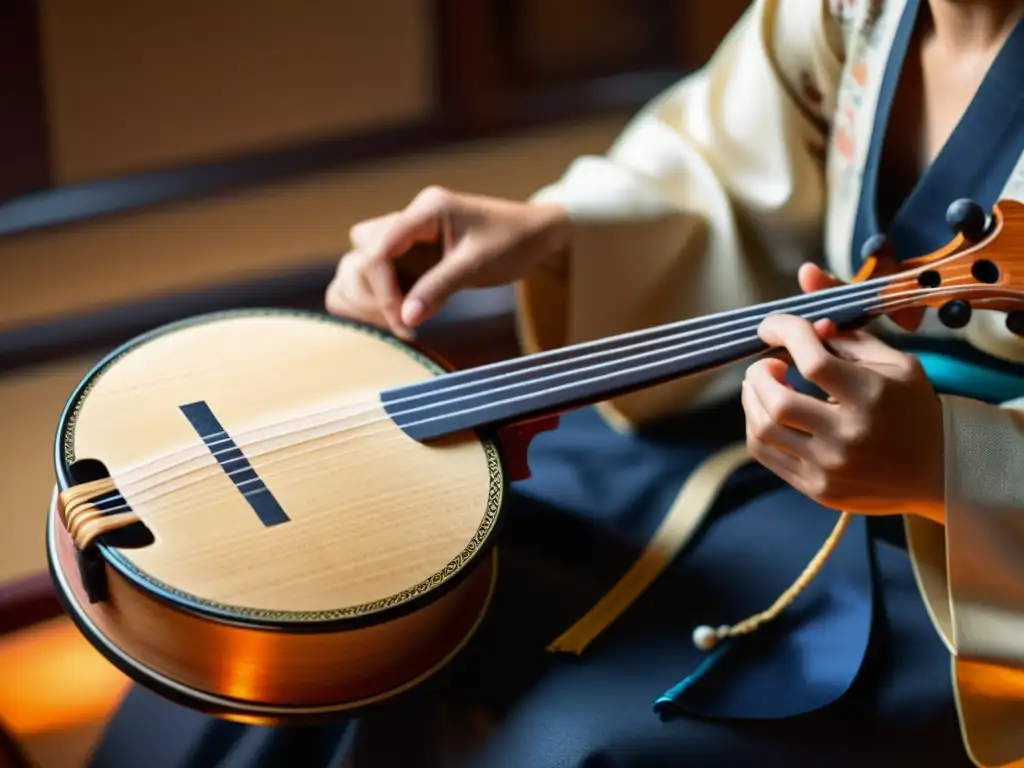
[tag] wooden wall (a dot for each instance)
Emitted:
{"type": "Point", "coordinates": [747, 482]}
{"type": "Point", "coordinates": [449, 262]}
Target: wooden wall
{"type": "Point", "coordinates": [95, 90]}
{"type": "Point", "coordinates": [137, 85]}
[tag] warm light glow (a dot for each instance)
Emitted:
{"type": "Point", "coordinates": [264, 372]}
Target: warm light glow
{"type": "Point", "coordinates": [53, 680]}
{"type": "Point", "coordinates": [993, 681]}
{"type": "Point", "coordinates": [241, 662]}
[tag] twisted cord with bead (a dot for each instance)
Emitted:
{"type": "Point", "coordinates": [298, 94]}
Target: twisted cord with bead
{"type": "Point", "coordinates": [706, 638]}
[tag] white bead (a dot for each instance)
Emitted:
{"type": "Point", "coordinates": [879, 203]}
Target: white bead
{"type": "Point", "coordinates": [705, 638]}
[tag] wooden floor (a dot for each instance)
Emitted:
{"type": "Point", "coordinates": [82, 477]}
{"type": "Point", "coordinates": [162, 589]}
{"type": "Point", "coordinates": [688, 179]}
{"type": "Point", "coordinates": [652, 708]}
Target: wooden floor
{"type": "Point", "coordinates": [264, 229]}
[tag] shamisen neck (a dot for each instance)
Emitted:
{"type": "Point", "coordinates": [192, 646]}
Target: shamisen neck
{"type": "Point", "coordinates": [554, 381]}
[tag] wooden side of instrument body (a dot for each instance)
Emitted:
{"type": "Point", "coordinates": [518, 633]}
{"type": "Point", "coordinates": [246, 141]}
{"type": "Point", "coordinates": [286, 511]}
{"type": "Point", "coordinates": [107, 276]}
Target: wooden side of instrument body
{"type": "Point", "coordinates": [262, 676]}
{"type": "Point", "coordinates": [381, 572]}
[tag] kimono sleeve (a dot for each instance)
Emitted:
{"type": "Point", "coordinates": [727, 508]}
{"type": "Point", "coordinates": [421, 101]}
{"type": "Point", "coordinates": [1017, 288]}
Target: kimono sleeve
{"type": "Point", "coordinates": [709, 199]}
{"type": "Point", "coordinates": [971, 573]}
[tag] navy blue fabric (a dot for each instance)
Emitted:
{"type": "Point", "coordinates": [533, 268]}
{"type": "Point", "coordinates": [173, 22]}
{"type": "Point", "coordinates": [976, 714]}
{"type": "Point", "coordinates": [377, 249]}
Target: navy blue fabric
{"type": "Point", "coordinates": [758, 541]}
{"type": "Point", "coordinates": [595, 710]}
{"type": "Point", "coordinates": [150, 731]}
{"type": "Point", "coordinates": [975, 162]}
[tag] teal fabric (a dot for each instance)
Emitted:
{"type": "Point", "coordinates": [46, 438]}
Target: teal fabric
{"type": "Point", "coordinates": [954, 376]}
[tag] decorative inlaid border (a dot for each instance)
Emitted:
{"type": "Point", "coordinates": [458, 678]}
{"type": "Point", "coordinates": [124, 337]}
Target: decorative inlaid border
{"type": "Point", "coordinates": [65, 455]}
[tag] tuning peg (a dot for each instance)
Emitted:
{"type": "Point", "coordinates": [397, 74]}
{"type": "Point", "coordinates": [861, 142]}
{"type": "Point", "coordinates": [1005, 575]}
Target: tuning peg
{"type": "Point", "coordinates": [873, 246]}
{"type": "Point", "coordinates": [985, 271]}
{"type": "Point", "coordinates": [966, 217]}
{"type": "Point", "coordinates": [955, 314]}
{"type": "Point", "coordinates": [1015, 323]}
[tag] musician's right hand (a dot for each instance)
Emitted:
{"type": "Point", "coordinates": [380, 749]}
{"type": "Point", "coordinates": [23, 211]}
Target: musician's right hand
{"type": "Point", "coordinates": [485, 242]}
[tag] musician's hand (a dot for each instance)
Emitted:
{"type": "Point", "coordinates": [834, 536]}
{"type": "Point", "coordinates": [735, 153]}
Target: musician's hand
{"type": "Point", "coordinates": [875, 447]}
{"type": "Point", "coordinates": [486, 242]}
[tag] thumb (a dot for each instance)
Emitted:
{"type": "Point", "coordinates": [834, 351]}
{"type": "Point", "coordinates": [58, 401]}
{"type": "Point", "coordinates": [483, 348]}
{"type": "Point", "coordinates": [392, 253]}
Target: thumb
{"type": "Point", "coordinates": [437, 284]}
{"type": "Point", "coordinates": [420, 222]}
{"type": "Point", "coordinates": [813, 278]}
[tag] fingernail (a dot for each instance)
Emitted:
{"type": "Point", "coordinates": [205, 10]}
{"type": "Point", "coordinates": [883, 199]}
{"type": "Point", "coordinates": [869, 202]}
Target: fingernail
{"type": "Point", "coordinates": [412, 311]}
{"type": "Point", "coordinates": [400, 330]}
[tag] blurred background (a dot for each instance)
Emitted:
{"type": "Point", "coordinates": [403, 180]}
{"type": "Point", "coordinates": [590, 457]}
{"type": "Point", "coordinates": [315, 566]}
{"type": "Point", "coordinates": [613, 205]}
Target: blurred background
{"type": "Point", "coordinates": [162, 159]}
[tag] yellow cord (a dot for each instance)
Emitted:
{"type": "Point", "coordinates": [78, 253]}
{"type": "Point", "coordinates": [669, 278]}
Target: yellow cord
{"type": "Point", "coordinates": [677, 529]}
{"type": "Point", "coordinates": [706, 638]}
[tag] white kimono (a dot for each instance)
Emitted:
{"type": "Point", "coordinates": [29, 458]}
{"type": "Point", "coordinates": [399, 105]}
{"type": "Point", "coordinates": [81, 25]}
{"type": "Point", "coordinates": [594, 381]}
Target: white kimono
{"type": "Point", "coordinates": [710, 200]}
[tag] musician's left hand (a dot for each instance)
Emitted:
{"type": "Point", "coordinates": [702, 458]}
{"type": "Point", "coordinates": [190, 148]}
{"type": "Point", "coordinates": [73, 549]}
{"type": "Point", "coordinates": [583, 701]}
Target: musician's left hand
{"type": "Point", "coordinates": [876, 447]}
